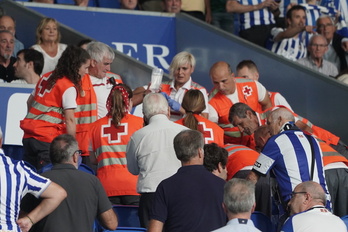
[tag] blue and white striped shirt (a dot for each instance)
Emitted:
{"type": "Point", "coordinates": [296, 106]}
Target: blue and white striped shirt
{"type": "Point", "coordinates": [289, 156]}
{"type": "Point", "coordinates": [283, 5]}
{"type": "Point", "coordinates": [257, 17]}
{"type": "Point", "coordinates": [16, 180]}
{"type": "Point", "coordinates": [291, 48]}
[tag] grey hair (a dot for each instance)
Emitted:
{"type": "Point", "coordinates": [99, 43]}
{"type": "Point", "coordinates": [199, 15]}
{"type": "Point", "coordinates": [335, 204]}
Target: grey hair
{"type": "Point", "coordinates": [240, 110]}
{"type": "Point", "coordinates": [315, 189]}
{"type": "Point", "coordinates": [239, 195]}
{"type": "Point", "coordinates": [325, 16]}
{"type": "Point", "coordinates": [319, 36]}
{"type": "Point", "coordinates": [153, 104]}
{"type": "Point", "coordinates": [179, 59]}
{"type": "Point", "coordinates": [284, 113]}
{"type": "Point", "coordinates": [99, 50]}
{"type": "Point", "coordinates": [187, 143]}
{"type": "Point", "coordinates": [62, 148]}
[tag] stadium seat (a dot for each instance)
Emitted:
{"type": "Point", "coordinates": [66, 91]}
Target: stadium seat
{"type": "Point", "coordinates": [262, 222]}
{"type": "Point", "coordinates": [345, 219]}
{"type": "Point", "coordinates": [127, 215]}
{"type": "Point", "coordinates": [129, 229]}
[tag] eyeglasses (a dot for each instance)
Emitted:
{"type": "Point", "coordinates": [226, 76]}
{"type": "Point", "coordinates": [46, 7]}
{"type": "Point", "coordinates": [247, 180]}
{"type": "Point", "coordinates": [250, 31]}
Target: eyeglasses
{"type": "Point", "coordinates": [78, 152]}
{"type": "Point", "coordinates": [294, 193]}
{"type": "Point", "coordinates": [318, 45]}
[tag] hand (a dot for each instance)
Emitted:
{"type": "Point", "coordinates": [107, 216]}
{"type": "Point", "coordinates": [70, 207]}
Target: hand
{"type": "Point", "coordinates": [345, 46]}
{"type": "Point", "coordinates": [25, 224]}
{"type": "Point", "coordinates": [174, 105]}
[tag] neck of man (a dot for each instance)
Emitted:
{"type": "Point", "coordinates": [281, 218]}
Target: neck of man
{"type": "Point", "coordinates": [318, 61]}
{"type": "Point", "coordinates": [245, 215]}
{"type": "Point", "coordinates": [32, 78]}
{"type": "Point", "coordinates": [4, 62]}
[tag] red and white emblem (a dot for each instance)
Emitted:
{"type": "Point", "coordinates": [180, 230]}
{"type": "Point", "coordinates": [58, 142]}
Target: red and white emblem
{"type": "Point", "coordinates": [207, 132]}
{"type": "Point", "coordinates": [247, 91]}
{"type": "Point", "coordinates": [112, 133]}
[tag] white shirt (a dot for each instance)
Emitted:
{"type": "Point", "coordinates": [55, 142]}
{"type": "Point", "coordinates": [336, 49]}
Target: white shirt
{"type": "Point", "coordinates": [50, 62]}
{"type": "Point", "coordinates": [102, 90]}
{"type": "Point", "coordinates": [150, 153]}
{"type": "Point", "coordinates": [240, 225]}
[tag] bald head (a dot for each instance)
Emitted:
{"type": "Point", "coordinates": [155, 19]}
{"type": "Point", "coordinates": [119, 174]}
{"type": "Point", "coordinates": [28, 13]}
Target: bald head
{"type": "Point", "coordinates": [7, 23]}
{"type": "Point", "coordinates": [261, 136]}
{"type": "Point", "coordinates": [223, 78]}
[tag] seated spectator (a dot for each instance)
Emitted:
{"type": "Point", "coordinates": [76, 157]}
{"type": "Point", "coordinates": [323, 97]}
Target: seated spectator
{"type": "Point", "coordinates": [249, 70]}
{"type": "Point", "coordinates": [28, 66]}
{"type": "Point", "coordinates": [308, 212]}
{"type": "Point", "coordinates": [317, 47]}
{"type": "Point", "coordinates": [215, 160]}
{"type": "Point", "coordinates": [8, 23]}
{"type": "Point", "coordinates": [342, 7]}
{"type": "Point", "coordinates": [199, 9]}
{"type": "Point", "coordinates": [181, 68]}
{"type": "Point", "coordinates": [291, 41]}
{"type": "Point", "coordinates": [47, 42]}
{"type": "Point", "coordinates": [191, 199]}
{"type": "Point", "coordinates": [239, 203]}
{"type": "Point", "coordinates": [256, 18]}
{"type": "Point", "coordinates": [172, 6]}
{"type": "Point", "coordinates": [152, 5]}
{"type": "Point", "coordinates": [86, 200]}
{"type": "Point", "coordinates": [128, 4]}
{"type": "Point", "coordinates": [337, 45]}
{"type": "Point", "coordinates": [193, 103]}
{"type": "Point", "coordinates": [109, 138]}
{"type": "Point", "coordinates": [6, 58]}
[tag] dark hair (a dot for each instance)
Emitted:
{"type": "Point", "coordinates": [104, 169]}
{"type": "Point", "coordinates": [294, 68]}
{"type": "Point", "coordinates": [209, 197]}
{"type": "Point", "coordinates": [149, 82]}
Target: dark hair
{"type": "Point", "coordinates": [294, 8]}
{"type": "Point", "coordinates": [193, 103]}
{"type": "Point", "coordinates": [68, 66]}
{"type": "Point", "coordinates": [62, 148]}
{"type": "Point", "coordinates": [31, 55]}
{"type": "Point", "coordinates": [239, 109]}
{"type": "Point", "coordinates": [117, 103]}
{"type": "Point", "coordinates": [247, 63]}
{"type": "Point", "coordinates": [213, 155]}
{"type": "Point", "coordinates": [83, 42]}
{"type": "Point", "coordinates": [187, 143]}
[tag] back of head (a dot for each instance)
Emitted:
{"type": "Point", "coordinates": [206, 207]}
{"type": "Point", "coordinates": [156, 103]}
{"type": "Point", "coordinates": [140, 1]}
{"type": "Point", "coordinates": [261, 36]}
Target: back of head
{"type": "Point", "coordinates": [282, 113]}
{"type": "Point", "coordinates": [187, 143]}
{"type": "Point", "coordinates": [42, 26]}
{"type": "Point", "coordinates": [179, 59]}
{"type": "Point", "coordinates": [193, 103]}
{"type": "Point", "coordinates": [118, 102]}
{"type": "Point", "coordinates": [62, 148]}
{"type": "Point", "coordinates": [249, 64]}
{"type": "Point", "coordinates": [315, 190]}
{"type": "Point", "coordinates": [261, 135]}
{"type": "Point", "coordinates": [213, 155]}
{"type": "Point", "coordinates": [239, 196]}
{"type": "Point", "coordinates": [31, 55]}
{"type": "Point", "coordinates": [99, 50]}
{"type": "Point", "coordinates": [240, 110]}
{"type": "Point", "coordinates": [153, 104]}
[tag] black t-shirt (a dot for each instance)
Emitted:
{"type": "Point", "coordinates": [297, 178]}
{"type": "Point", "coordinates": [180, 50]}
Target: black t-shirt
{"type": "Point", "coordinates": [7, 74]}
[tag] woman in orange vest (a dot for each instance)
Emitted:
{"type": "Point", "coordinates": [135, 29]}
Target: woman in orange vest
{"type": "Point", "coordinates": [194, 104]}
{"type": "Point", "coordinates": [109, 137]}
{"type": "Point", "coordinates": [53, 104]}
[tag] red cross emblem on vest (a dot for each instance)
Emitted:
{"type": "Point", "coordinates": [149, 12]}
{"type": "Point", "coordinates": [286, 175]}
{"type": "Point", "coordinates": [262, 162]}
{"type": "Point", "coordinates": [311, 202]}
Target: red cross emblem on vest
{"type": "Point", "coordinates": [112, 133]}
{"type": "Point", "coordinates": [43, 87]}
{"type": "Point", "coordinates": [207, 132]}
{"type": "Point", "coordinates": [247, 90]}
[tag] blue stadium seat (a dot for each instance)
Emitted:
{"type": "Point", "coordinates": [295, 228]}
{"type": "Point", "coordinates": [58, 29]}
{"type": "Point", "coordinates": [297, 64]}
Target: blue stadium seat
{"type": "Point", "coordinates": [345, 219]}
{"type": "Point", "coordinates": [127, 215]}
{"type": "Point", "coordinates": [262, 222]}
{"type": "Point", "coordinates": [108, 3]}
{"type": "Point", "coordinates": [66, 2]}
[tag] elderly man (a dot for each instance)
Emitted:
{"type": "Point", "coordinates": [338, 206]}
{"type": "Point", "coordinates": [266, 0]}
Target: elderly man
{"type": "Point", "coordinates": [6, 58]}
{"type": "Point", "coordinates": [292, 155]}
{"type": "Point", "coordinates": [290, 42]}
{"type": "Point", "coordinates": [17, 180]}
{"type": "Point", "coordinates": [337, 47]}
{"type": "Point", "coordinates": [29, 65]}
{"type": "Point", "coordinates": [228, 91]}
{"type": "Point", "coordinates": [307, 207]}
{"type": "Point", "coordinates": [317, 48]}
{"type": "Point", "coordinates": [86, 198]}
{"type": "Point", "coordinates": [150, 152]}
{"type": "Point", "coordinates": [102, 79]}
{"type": "Point", "coordinates": [239, 203]}
{"type": "Point", "coordinates": [8, 23]}
{"type": "Point", "coordinates": [191, 199]}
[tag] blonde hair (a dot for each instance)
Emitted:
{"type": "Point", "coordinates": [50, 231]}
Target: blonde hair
{"type": "Point", "coordinates": [179, 59]}
{"type": "Point", "coordinates": [42, 25]}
